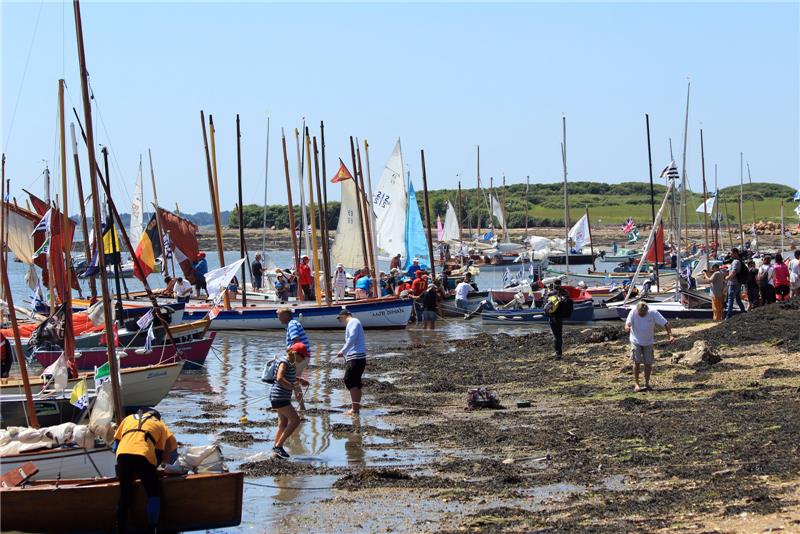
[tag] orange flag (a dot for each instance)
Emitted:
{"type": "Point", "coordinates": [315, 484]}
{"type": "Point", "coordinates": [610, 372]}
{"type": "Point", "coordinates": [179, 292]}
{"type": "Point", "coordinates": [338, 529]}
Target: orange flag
{"type": "Point", "coordinates": [342, 174]}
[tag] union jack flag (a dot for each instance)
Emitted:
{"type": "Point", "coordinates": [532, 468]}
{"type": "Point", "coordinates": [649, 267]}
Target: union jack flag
{"type": "Point", "coordinates": [629, 226]}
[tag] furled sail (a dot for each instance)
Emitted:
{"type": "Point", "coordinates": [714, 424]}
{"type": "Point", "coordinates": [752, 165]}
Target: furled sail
{"type": "Point", "coordinates": [137, 216]}
{"type": "Point", "coordinates": [390, 205]}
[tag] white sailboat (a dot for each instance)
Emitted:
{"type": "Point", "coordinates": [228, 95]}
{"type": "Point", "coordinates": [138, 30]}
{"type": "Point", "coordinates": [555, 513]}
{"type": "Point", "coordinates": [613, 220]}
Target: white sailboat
{"type": "Point", "coordinates": [347, 245]}
{"type": "Point", "coordinates": [450, 231]}
{"type": "Point", "coordinates": [390, 205]}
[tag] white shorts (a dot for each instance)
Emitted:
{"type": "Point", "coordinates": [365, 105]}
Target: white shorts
{"type": "Point", "coordinates": [643, 354]}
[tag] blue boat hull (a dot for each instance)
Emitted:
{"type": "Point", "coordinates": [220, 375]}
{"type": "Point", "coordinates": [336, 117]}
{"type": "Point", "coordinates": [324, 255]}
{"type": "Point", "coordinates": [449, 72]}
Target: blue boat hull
{"type": "Point", "coordinates": [583, 312]}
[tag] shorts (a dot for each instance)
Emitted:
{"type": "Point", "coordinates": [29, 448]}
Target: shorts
{"type": "Point", "coordinates": [201, 283]}
{"type": "Point", "coordinates": [258, 282]}
{"type": "Point", "coordinates": [280, 403]}
{"type": "Point", "coordinates": [352, 373]}
{"type": "Point", "coordinates": [782, 291]}
{"type": "Point", "coordinates": [429, 316]}
{"type": "Point", "coordinates": [643, 354]}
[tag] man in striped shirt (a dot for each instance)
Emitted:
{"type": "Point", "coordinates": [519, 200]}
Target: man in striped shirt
{"type": "Point", "coordinates": [295, 333]}
{"type": "Point", "coordinates": [355, 357]}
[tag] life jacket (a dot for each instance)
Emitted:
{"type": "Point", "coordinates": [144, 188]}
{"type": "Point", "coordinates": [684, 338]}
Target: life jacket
{"type": "Point", "coordinates": [147, 436]}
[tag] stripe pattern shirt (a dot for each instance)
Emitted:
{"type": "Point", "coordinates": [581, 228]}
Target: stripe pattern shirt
{"type": "Point", "coordinates": [294, 330]}
{"type": "Point", "coordinates": [278, 392]}
{"type": "Point", "coordinates": [355, 345]}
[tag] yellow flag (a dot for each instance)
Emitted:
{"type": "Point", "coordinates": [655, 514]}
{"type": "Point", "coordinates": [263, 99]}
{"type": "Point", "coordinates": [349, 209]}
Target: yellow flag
{"type": "Point", "coordinates": [79, 397]}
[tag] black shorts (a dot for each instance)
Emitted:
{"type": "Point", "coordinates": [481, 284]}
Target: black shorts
{"type": "Point", "coordinates": [280, 403]}
{"type": "Point", "coordinates": [201, 283]}
{"type": "Point", "coordinates": [352, 373]}
{"type": "Point", "coordinates": [783, 291]}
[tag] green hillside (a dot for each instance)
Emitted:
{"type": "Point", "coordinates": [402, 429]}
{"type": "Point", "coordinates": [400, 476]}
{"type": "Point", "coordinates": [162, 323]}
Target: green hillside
{"type": "Point", "coordinates": [607, 204]}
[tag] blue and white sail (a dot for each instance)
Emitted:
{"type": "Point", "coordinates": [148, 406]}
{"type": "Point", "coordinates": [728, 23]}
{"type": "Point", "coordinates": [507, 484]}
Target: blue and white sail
{"type": "Point", "coordinates": [416, 240]}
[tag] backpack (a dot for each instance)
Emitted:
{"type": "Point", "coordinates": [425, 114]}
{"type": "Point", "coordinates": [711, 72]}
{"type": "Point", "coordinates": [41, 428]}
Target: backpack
{"type": "Point", "coordinates": [482, 398]}
{"type": "Point", "coordinates": [270, 371]}
{"type": "Point", "coordinates": [565, 308]}
{"type": "Point", "coordinates": [551, 305]}
{"type": "Point", "coordinates": [742, 274]}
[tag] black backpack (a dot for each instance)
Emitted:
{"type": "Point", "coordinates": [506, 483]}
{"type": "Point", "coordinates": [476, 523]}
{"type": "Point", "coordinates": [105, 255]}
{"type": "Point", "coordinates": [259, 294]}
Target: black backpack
{"type": "Point", "coordinates": [742, 274]}
{"type": "Point", "coordinates": [565, 307]}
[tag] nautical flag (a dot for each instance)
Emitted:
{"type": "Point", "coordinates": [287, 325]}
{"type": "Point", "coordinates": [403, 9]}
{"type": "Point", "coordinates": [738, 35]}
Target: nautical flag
{"type": "Point", "coordinates": [488, 235]}
{"type": "Point", "coordinates": [634, 236]}
{"type": "Point", "coordinates": [145, 320]}
{"type": "Point", "coordinates": [59, 373]}
{"type": "Point", "coordinates": [217, 280]}
{"type": "Point", "coordinates": [148, 341]}
{"type": "Point", "coordinates": [148, 249]}
{"type": "Point", "coordinates": [507, 277]}
{"type": "Point", "coordinates": [94, 266]}
{"type": "Point", "coordinates": [37, 297]}
{"type": "Point", "coordinates": [670, 172]}
{"type": "Point", "coordinates": [44, 224]}
{"type": "Point", "coordinates": [102, 374]}
{"type": "Point", "coordinates": [342, 174]}
{"type": "Point", "coordinates": [80, 395]}
{"type": "Point", "coordinates": [579, 234]}
{"type": "Point", "coordinates": [629, 226]}
{"type": "Point", "coordinates": [213, 312]}
{"type": "Point", "coordinates": [707, 206]}
{"type": "Point", "coordinates": [111, 247]}
{"type": "Point", "coordinates": [43, 249]}
{"type": "Point", "coordinates": [166, 246]}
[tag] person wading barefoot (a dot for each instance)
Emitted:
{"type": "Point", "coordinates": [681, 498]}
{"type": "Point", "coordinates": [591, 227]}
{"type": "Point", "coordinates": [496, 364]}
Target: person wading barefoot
{"type": "Point", "coordinates": [355, 357]}
{"type": "Point", "coordinates": [281, 396]}
{"type": "Point", "coordinates": [641, 323]}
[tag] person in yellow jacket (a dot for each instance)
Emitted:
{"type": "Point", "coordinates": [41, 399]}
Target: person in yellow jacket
{"type": "Point", "coordinates": [142, 442]}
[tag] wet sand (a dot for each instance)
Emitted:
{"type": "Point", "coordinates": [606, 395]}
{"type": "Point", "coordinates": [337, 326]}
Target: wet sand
{"type": "Point", "coordinates": [712, 448]}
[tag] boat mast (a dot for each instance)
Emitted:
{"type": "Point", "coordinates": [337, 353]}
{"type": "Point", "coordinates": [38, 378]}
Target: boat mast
{"type": "Point", "coordinates": [652, 193]}
{"type": "Point", "coordinates": [159, 226]}
{"type": "Point", "coordinates": [69, 334]}
{"type": "Point", "coordinates": [292, 224]}
{"type": "Point", "coordinates": [358, 204]}
{"type": "Point", "coordinates": [300, 167]}
{"type": "Point", "coordinates": [427, 213]}
{"type": "Point", "coordinates": [566, 194]}
{"type": "Point", "coordinates": [242, 245]}
{"type": "Point", "coordinates": [684, 213]}
{"type": "Point", "coordinates": [366, 221]}
{"type": "Point", "coordinates": [87, 248]}
{"type": "Point", "coordinates": [266, 183]}
{"type": "Point", "coordinates": [370, 214]}
{"type": "Point", "coordinates": [505, 213]}
{"type": "Point", "coordinates": [753, 199]}
{"type": "Point", "coordinates": [741, 197]}
{"type": "Point", "coordinates": [323, 227]}
{"type": "Point", "coordinates": [115, 253]}
{"type": "Point", "coordinates": [478, 196]}
{"type": "Point", "coordinates": [87, 111]}
{"type": "Point", "coordinates": [312, 216]}
{"type": "Point", "coordinates": [705, 190]}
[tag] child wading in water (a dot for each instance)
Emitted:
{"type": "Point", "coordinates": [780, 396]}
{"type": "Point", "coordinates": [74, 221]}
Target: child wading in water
{"type": "Point", "coordinates": [281, 396]}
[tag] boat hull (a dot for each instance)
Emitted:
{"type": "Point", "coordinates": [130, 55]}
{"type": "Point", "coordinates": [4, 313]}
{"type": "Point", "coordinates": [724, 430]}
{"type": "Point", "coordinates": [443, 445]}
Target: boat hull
{"type": "Point", "coordinates": [193, 352]}
{"type": "Point", "coordinates": [583, 312]}
{"type": "Point", "coordinates": [49, 412]}
{"type": "Point", "coordinates": [574, 259]}
{"type": "Point", "coordinates": [64, 463]}
{"type": "Point", "coordinates": [671, 310]}
{"type": "Point", "coordinates": [188, 502]}
{"type": "Point", "coordinates": [373, 313]}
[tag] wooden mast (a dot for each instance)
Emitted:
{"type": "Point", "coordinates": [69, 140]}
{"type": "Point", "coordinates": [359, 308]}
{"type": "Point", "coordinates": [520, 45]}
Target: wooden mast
{"type": "Point", "coordinates": [741, 197]}
{"type": "Point", "coordinates": [653, 197]}
{"type": "Point", "coordinates": [303, 218]}
{"type": "Point", "coordinates": [427, 213]}
{"type": "Point", "coordinates": [159, 226]}
{"type": "Point", "coordinates": [87, 110]}
{"type": "Point", "coordinates": [241, 210]}
{"type": "Point", "coordinates": [312, 217]}
{"type": "Point", "coordinates": [705, 190]}
{"type": "Point", "coordinates": [87, 246]}
{"type": "Point", "coordinates": [478, 195]}
{"type": "Point", "coordinates": [212, 194]}
{"type": "Point", "coordinates": [684, 182]}
{"type": "Point", "coordinates": [323, 227]}
{"type": "Point", "coordinates": [69, 334]}
{"type": "Point", "coordinates": [358, 203]}
{"type": "Point", "coordinates": [292, 225]}
{"type": "Point", "coordinates": [566, 194]}
{"type": "Point", "coordinates": [366, 220]}
{"type": "Point", "coordinates": [324, 179]}
{"type": "Point", "coordinates": [215, 192]}
{"type": "Point", "coordinates": [753, 200]}
{"type": "Point", "coordinates": [371, 212]}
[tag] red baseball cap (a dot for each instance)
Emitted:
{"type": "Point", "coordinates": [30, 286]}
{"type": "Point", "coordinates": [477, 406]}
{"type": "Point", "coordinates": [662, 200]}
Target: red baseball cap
{"type": "Point", "coordinates": [300, 349]}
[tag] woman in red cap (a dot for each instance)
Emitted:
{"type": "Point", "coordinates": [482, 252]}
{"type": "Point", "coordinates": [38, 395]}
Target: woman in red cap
{"type": "Point", "coordinates": [281, 396]}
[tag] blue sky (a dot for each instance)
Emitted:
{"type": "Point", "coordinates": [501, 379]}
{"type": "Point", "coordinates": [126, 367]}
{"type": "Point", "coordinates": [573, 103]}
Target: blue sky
{"type": "Point", "coordinates": [443, 77]}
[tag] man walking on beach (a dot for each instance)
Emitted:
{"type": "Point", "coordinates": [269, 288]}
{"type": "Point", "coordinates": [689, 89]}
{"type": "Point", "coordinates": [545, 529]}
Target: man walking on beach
{"type": "Point", "coordinates": [355, 357]}
{"type": "Point", "coordinates": [734, 281]}
{"type": "Point", "coordinates": [295, 333]}
{"type": "Point", "coordinates": [556, 320]}
{"type": "Point", "coordinates": [641, 324]}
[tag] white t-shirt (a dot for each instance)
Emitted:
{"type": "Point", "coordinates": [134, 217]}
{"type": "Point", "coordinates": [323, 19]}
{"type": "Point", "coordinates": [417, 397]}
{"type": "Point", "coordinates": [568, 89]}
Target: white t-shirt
{"type": "Point", "coordinates": [794, 272]}
{"type": "Point", "coordinates": [643, 328]}
{"type": "Point", "coordinates": [766, 270]}
{"type": "Point", "coordinates": [462, 290]}
{"type": "Point", "coordinates": [183, 289]}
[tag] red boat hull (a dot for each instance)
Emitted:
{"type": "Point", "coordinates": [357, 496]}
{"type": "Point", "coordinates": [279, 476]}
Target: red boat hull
{"type": "Point", "coordinates": [194, 352]}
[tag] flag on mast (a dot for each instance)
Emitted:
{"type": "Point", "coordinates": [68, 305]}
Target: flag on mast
{"type": "Point", "coordinates": [342, 174]}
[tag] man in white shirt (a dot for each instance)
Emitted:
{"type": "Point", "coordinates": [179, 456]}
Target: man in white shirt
{"type": "Point", "coordinates": [641, 324]}
{"type": "Point", "coordinates": [182, 289]}
{"type": "Point", "coordinates": [462, 292]}
{"type": "Point", "coordinates": [794, 274]}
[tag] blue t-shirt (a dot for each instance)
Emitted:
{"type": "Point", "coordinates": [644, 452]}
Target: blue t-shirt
{"type": "Point", "coordinates": [365, 283]}
{"type": "Point", "coordinates": [295, 330]}
{"type": "Point", "coordinates": [201, 267]}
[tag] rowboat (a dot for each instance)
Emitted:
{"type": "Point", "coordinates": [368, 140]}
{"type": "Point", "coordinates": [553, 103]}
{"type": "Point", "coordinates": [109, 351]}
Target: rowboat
{"type": "Point", "coordinates": [583, 312]}
{"type": "Point", "coordinates": [188, 502]}
{"type": "Point", "coordinates": [50, 411]}
{"type": "Point", "coordinates": [622, 255]}
{"type": "Point", "coordinates": [193, 352]}
{"type": "Point", "coordinates": [664, 277]}
{"type": "Point", "coordinates": [670, 310]}
{"type": "Point", "coordinates": [141, 386]}
{"type": "Point", "coordinates": [574, 259]}
{"type": "Point", "coordinates": [384, 312]}
{"type": "Point", "coordinates": [64, 463]}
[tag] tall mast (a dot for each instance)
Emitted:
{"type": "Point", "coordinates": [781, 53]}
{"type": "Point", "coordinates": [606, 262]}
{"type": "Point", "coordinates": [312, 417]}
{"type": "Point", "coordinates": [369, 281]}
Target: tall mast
{"type": "Point", "coordinates": [427, 213]}
{"type": "Point", "coordinates": [292, 224]}
{"type": "Point", "coordinates": [69, 334]}
{"type": "Point", "coordinates": [741, 197]}
{"type": "Point", "coordinates": [323, 227]}
{"type": "Point", "coordinates": [87, 110]}
{"type": "Point", "coordinates": [215, 191]}
{"type": "Point", "coordinates": [459, 201]}
{"type": "Point", "coordinates": [683, 214]}
{"type": "Point", "coordinates": [478, 204]}
{"type": "Point", "coordinates": [370, 214]}
{"type": "Point", "coordinates": [358, 202]}
{"type": "Point", "coordinates": [303, 217]}
{"type": "Point", "coordinates": [566, 194]}
{"type": "Point", "coordinates": [115, 252]}
{"type": "Point", "coordinates": [212, 194]}
{"type": "Point", "coordinates": [652, 192]}
{"type": "Point", "coordinates": [752, 198]}
{"type": "Point", "coordinates": [48, 257]}
{"type": "Point", "coordinates": [705, 190]}
{"type": "Point", "coordinates": [242, 245]}
{"type": "Point", "coordinates": [366, 221]}
{"type": "Point", "coordinates": [266, 185]}
{"type": "Point", "coordinates": [716, 213]}
{"type": "Point", "coordinates": [159, 226]}
{"type": "Point", "coordinates": [87, 246]}
{"type": "Point", "coordinates": [312, 217]}
{"type": "Point", "coordinates": [505, 214]}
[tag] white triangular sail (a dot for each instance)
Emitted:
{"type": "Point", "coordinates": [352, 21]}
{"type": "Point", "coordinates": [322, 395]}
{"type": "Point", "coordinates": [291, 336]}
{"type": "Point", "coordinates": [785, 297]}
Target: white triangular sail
{"type": "Point", "coordinates": [137, 216]}
{"type": "Point", "coordinates": [390, 203]}
{"type": "Point", "coordinates": [497, 211]}
{"type": "Point", "coordinates": [707, 206]}
{"type": "Point", "coordinates": [347, 246]}
{"type": "Point", "coordinates": [579, 234]}
{"type": "Point", "coordinates": [450, 231]}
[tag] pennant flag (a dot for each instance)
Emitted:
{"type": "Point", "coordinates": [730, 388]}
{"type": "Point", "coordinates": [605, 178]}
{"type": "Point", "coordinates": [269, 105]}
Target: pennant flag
{"type": "Point", "coordinates": [148, 249]}
{"type": "Point", "coordinates": [342, 174]}
{"type": "Point", "coordinates": [579, 234]}
{"type": "Point", "coordinates": [629, 226]}
{"type": "Point", "coordinates": [80, 395]}
{"type": "Point", "coordinates": [167, 248]}
{"type": "Point", "coordinates": [94, 266]}
{"type": "Point", "coordinates": [145, 320]}
{"type": "Point", "coordinates": [59, 373]}
{"type": "Point", "coordinates": [102, 374]}
{"type": "Point", "coordinates": [670, 172]}
{"type": "Point", "coordinates": [213, 312]}
{"type": "Point", "coordinates": [148, 341]}
{"type": "Point", "coordinates": [707, 206]}
{"type": "Point", "coordinates": [43, 249]}
{"type": "Point", "coordinates": [217, 280]}
{"type": "Point", "coordinates": [507, 277]}
{"type": "Point", "coordinates": [44, 223]}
